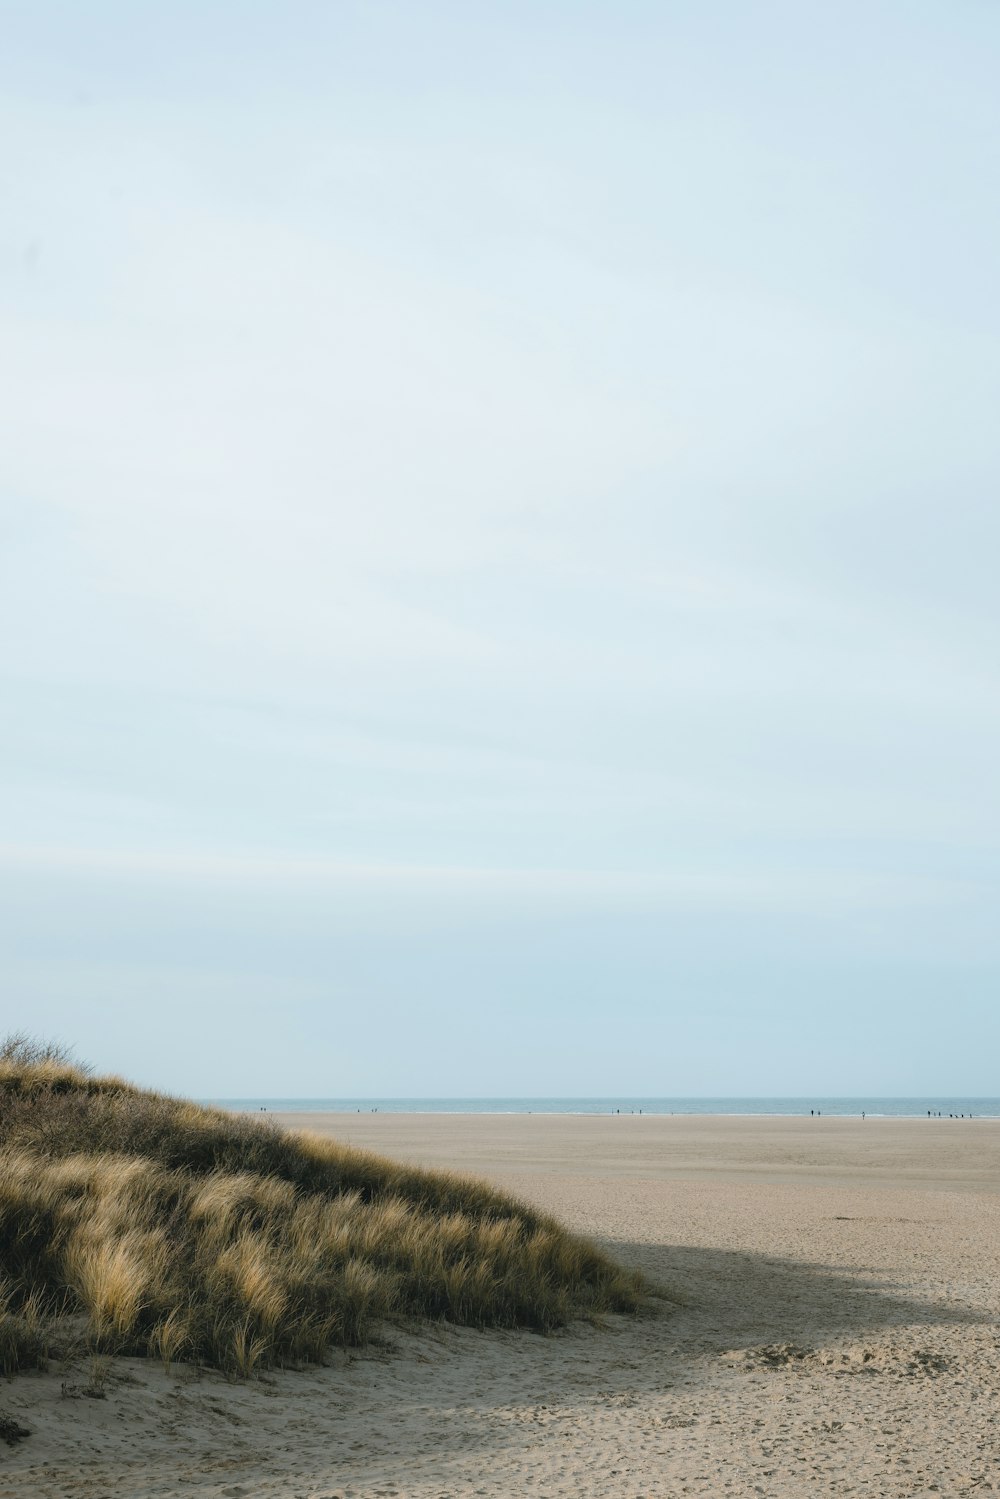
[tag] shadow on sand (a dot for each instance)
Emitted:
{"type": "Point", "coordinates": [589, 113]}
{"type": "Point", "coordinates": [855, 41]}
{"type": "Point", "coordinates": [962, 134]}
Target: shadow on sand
{"type": "Point", "coordinates": [722, 1300]}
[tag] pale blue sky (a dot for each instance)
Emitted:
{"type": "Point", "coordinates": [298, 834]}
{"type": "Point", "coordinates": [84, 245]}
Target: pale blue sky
{"type": "Point", "coordinates": [499, 542]}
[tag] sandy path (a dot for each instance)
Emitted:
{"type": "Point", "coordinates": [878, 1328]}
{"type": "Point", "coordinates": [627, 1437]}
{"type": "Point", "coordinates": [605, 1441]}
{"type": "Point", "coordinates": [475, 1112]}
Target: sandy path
{"type": "Point", "coordinates": [839, 1334]}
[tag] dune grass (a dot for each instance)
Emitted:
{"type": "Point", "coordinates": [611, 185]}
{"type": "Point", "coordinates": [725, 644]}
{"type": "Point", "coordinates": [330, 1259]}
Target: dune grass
{"type": "Point", "coordinates": [180, 1232]}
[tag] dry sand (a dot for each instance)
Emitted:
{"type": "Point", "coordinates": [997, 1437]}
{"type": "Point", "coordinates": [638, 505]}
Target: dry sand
{"type": "Point", "coordinates": [836, 1331]}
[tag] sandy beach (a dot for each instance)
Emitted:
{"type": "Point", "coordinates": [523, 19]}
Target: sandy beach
{"type": "Point", "coordinates": [832, 1327]}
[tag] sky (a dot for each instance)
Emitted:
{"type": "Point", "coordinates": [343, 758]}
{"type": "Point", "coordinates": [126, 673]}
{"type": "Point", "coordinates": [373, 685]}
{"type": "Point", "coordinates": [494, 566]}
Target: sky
{"type": "Point", "coordinates": [498, 542]}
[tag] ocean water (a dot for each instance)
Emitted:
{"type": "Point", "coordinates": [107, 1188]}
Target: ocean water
{"type": "Point", "coordinates": [889, 1108]}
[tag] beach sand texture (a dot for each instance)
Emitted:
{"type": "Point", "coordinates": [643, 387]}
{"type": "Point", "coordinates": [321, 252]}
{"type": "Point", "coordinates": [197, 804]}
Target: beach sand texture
{"type": "Point", "coordinates": [835, 1330]}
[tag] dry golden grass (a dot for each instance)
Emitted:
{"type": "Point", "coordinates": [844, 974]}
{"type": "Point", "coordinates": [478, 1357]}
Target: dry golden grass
{"type": "Point", "coordinates": [187, 1233]}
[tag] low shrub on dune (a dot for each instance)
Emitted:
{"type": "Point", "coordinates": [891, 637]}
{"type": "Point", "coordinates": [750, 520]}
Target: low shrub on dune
{"type": "Point", "coordinates": [182, 1232]}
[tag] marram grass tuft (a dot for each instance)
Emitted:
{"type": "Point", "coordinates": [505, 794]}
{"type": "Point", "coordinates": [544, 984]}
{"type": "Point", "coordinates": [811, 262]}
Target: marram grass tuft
{"type": "Point", "coordinates": [186, 1233]}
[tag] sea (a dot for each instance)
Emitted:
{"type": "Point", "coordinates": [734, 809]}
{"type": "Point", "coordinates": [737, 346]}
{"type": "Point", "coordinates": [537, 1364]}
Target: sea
{"type": "Point", "coordinates": [873, 1107]}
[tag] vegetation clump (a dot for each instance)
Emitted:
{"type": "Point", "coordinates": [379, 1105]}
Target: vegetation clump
{"type": "Point", "coordinates": [187, 1233]}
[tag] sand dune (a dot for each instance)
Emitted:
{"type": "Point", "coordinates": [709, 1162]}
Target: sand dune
{"type": "Point", "coordinates": [835, 1330]}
